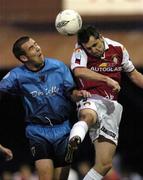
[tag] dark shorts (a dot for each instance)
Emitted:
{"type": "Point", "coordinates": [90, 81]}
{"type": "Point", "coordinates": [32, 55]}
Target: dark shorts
{"type": "Point", "coordinates": [49, 142]}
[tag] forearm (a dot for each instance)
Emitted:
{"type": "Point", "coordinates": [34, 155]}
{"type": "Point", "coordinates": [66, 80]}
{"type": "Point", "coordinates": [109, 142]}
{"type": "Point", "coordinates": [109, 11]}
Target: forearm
{"type": "Point", "coordinates": [137, 78]}
{"type": "Point", "coordinates": [87, 74]}
{"type": "Point", "coordinates": [2, 148]}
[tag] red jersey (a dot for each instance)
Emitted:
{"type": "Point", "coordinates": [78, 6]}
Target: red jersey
{"type": "Point", "coordinates": [114, 61]}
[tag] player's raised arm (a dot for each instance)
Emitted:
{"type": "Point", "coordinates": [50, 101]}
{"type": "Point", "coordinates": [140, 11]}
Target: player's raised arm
{"type": "Point", "coordinates": [136, 77]}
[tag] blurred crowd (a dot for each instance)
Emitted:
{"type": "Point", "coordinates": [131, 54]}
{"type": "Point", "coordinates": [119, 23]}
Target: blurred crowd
{"type": "Point", "coordinates": [26, 172]}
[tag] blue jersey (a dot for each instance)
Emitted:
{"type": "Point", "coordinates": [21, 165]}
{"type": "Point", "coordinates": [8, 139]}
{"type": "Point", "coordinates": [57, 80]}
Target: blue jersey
{"type": "Point", "coordinates": [45, 92]}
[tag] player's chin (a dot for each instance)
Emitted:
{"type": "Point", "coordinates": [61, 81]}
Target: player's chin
{"type": "Point", "coordinates": [97, 55]}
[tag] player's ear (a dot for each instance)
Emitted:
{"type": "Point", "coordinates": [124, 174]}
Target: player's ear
{"type": "Point", "coordinates": [100, 35]}
{"type": "Point", "coordinates": [23, 58]}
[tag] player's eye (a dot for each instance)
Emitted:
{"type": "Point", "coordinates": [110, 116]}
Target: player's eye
{"type": "Point", "coordinates": [31, 47]}
{"type": "Point", "coordinates": [35, 44]}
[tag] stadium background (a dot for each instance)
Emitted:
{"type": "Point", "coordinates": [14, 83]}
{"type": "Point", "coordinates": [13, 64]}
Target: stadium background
{"type": "Point", "coordinates": [36, 19]}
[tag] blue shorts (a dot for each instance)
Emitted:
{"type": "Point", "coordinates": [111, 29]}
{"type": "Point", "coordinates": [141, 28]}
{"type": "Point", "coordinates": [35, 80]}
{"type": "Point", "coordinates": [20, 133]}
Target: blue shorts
{"type": "Point", "coordinates": [49, 142]}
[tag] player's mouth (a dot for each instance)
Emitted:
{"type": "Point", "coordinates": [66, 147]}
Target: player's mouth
{"type": "Point", "coordinates": [99, 53]}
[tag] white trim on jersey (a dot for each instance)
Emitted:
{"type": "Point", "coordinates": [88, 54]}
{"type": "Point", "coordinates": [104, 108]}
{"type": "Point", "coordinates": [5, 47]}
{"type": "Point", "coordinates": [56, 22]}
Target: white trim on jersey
{"type": "Point", "coordinates": [127, 65]}
{"type": "Point", "coordinates": [79, 58]}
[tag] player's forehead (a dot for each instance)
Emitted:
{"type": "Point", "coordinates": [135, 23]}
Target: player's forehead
{"type": "Point", "coordinates": [92, 40]}
{"type": "Point", "coordinates": [28, 43]}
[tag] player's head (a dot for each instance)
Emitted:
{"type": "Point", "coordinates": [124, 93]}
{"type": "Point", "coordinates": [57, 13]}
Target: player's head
{"type": "Point", "coordinates": [91, 40]}
{"type": "Point", "coordinates": [17, 49]}
{"type": "Point", "coordinates": [85, 32]}
{"type": "Point", "coordinates": [28, 51]}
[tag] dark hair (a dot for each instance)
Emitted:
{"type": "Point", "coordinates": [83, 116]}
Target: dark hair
{"type": "Point", "coordinates": [85, 32]}
{"type": "Point", "coordinates": [17, 50]}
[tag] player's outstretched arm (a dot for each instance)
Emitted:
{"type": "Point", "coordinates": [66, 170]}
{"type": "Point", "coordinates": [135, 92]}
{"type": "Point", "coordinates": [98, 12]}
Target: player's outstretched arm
{"type": "Point", "coordinates": [136, 77]}
{"type": "Point", "coordinates": [87, 74]}
{"type": "Point", "coordinates": [6, 152]}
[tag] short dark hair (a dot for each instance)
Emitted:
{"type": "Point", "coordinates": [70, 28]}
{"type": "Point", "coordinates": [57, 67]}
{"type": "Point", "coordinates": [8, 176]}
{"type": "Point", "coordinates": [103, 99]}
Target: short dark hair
{"type": "Point", "coordinates": [17, 50]}
{"type": "Point", "coordinates": [85, 32]}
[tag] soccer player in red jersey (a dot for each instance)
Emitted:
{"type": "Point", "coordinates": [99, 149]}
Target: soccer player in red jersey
{"type": "Point", "coordinates": [97, 63]}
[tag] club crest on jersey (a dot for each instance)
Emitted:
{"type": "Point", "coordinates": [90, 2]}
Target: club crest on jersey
{"type": "Point", "coordinates": [77, 61]}
{"type": "Point", "coordinates": [77, 56]}
{"type": "Point", "coordinates": [114, 58]}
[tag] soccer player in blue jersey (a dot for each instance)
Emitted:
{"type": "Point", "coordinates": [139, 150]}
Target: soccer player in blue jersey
{"type": "Point", "coordinates": [47, 88]}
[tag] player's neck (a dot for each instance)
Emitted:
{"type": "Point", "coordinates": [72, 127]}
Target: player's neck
{"type": "Point", "coordinates": [35, 67]}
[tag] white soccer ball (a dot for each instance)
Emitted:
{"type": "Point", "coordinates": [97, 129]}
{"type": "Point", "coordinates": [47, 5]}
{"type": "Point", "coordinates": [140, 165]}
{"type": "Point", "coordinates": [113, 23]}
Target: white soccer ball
{"type": "Point", "coordinates": [68, 22]}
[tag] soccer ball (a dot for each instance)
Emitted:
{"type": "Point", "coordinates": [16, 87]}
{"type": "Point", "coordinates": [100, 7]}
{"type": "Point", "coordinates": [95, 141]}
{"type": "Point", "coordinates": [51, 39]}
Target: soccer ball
{"type": "Point", "coordinates": [68, 22]}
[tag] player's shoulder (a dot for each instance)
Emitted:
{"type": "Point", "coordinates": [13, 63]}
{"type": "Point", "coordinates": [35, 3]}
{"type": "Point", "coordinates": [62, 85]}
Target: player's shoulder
{"type": "Point", "coordinates": [14, 73]}
{"type": "Point", "coordinates": [18, 69]}
{"type": "Point", "coordinates": [79, 51]}
{"type": "Point", "coordinates": [112, 42]}
{"type": "Point", "coordinates": [53, 62]}
{"type": "Point", "coordinates": [78, 48]}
